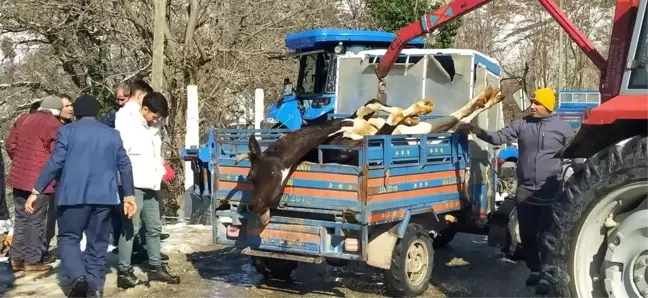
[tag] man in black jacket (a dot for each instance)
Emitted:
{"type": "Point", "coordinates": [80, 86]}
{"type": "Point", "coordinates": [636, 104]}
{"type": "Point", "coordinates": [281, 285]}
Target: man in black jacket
{"type": "Point", "coordinates": [122, 93]}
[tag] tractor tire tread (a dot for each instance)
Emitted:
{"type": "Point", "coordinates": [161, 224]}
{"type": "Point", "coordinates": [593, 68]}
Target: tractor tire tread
{"type": "Point", "coordinates": [608, 169]}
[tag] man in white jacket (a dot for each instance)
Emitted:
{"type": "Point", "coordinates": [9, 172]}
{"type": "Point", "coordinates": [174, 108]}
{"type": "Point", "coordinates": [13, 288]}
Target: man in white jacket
{"type": "Point", "coordinates": [139, 123]}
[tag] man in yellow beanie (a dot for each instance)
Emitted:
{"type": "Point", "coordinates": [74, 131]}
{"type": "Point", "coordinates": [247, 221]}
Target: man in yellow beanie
{"type": "Point", "coordinates": [540, 135]}
{"type": "Point", "coordinates": [543, 102]}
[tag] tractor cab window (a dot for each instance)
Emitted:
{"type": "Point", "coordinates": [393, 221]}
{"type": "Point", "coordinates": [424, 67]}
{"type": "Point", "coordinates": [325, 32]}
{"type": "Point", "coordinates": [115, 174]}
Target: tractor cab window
{"type": "Point", "coordinates": [314, 73]}
{"type": "Point", "coordinates": [639, 75]}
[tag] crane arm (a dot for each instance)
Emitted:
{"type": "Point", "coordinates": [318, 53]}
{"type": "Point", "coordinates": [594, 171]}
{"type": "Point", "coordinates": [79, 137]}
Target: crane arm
{"type": "Point", "coordinates": [434, 19]}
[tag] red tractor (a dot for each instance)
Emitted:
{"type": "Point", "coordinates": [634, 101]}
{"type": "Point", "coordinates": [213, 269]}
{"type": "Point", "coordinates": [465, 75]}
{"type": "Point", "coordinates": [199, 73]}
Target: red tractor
{"type": "Point", "coordinates": [599, 240]}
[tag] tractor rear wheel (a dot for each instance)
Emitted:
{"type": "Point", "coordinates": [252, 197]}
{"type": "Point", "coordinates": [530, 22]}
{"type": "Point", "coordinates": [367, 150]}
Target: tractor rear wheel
{"type": "Point", "coordinates": [597, 243]}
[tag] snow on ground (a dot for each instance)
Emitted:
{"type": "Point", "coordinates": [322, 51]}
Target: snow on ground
{"type": "Point", "coordinates": [183, 239]}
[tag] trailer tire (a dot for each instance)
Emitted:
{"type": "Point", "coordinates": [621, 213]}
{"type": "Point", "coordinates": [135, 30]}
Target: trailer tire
{"type": "Point", "coordinates": [611, 178]}
{"type": "Point", "coordinates": [416, 246]}
{"type": "Point", "coordinates": [276, 268]}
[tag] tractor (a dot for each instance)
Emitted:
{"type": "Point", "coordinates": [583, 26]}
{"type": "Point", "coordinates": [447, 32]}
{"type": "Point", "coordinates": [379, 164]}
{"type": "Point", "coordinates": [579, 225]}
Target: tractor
{"type": "Point", "coordinates": [598, 243]}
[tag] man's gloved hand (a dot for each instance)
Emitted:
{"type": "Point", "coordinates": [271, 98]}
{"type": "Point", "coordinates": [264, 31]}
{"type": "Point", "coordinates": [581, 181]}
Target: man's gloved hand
{"type": "Point", "coordinates": [170, 173]}
{"type": "Point", "coordinates": [129, 206]}
{"type": "Point", "coordinates": [465, 128]}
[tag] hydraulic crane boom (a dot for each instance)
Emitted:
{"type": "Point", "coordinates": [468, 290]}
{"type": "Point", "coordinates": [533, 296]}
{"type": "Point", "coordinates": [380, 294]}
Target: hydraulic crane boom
{"type": "Point", "coordinates": [457, 8]}
{"type": "Point", "coordinates": [601, 126]}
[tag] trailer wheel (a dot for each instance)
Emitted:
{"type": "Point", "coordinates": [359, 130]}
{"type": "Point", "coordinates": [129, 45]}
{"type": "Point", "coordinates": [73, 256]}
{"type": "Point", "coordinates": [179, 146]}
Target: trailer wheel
{"type": "Point", "coordinates": [276, 268]}
{"type": "Point", "coordinates": [412, 263]}
{"type": "Point", "coordinates": [597, 243]}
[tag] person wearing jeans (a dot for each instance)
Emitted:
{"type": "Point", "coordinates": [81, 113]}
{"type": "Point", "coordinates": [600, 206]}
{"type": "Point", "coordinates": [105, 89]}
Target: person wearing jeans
{"type": "Point", "coordinates": [139, 125]}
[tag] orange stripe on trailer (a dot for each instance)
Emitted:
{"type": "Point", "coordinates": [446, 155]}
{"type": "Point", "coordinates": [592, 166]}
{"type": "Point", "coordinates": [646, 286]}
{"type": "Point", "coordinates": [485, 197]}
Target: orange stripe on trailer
{"type": "Point", "coordinates": [321, 193]}
{"type": "Point", "coordinates": [414, 193]}
{"type": "Point", "coordinates": [387, 216]}
{"type": "Point", "coordinates": [286, 235]}
{"type": "Point", "coordinates": [233, 170]}
{"type": "Point", "coordinates": [446, 206]}
{"type": "Point", "coordinates": [297, 175]}
{"type": "Point", "coordinates": [415, 177]}
{"type": "Point", "coordinates": [234, 185]}
{"type": "Point", "coordinates": [297, 191]}
{"type": "Point", "coordinates": [398, 214]}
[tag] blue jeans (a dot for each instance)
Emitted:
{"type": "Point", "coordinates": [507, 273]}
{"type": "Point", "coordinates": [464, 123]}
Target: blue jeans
{"type": "Point", "coordinates": [148, 211]}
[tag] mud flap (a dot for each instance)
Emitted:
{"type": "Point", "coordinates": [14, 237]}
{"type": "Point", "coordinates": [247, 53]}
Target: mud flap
{"type": "Point", "coordinates": [381, 246]}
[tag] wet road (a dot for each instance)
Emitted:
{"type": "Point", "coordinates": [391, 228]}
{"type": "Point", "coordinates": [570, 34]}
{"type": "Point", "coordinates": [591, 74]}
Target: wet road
{"type": "Point", "coordinates": [467, 268]}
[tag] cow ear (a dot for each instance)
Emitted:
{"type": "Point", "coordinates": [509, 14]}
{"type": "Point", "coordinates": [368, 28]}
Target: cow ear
{"type": "Point", "coordinates": [255, 149]}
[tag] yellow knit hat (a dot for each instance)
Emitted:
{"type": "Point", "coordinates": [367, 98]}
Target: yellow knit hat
{"type": "Point", "coordinates": [546, 97]}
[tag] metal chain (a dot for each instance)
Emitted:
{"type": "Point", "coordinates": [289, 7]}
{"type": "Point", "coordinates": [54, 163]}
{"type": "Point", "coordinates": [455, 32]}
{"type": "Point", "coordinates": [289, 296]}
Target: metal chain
{"type": "Point", "coordinates": [382, 91]}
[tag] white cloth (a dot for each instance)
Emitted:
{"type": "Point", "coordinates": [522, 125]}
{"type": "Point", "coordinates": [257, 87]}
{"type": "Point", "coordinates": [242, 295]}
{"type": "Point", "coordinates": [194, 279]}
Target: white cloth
{"type": "Point", "coordinates": [143, 144]}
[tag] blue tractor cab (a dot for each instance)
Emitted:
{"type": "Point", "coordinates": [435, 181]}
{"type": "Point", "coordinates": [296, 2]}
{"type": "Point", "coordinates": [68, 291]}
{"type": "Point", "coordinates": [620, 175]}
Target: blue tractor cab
{"type": "Point", "coordinates": [314, 96]}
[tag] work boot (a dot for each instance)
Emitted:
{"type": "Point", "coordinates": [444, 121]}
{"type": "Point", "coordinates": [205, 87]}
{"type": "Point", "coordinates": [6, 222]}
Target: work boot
{"type": "Point", "coordinates": [49, 258]}
{"type": "Point", "coordinates": [139, 258]}
{"type": "Point", "coordinates": [126, 278]}
{"type": "Point", "coordinates": [95, 294]}
{"type": "Point", "coordinates": [78, 287]}
{"type": "Point", "coordinates": [533, 279]}
{"type": "Point", "coordinates": [17, 265]}
{"type": "Point", "coordinates": [543, 287]}
{"type": "Point", "coordinates": [161, 273]}
{"type": "Point", "coordinates": [37, 267]}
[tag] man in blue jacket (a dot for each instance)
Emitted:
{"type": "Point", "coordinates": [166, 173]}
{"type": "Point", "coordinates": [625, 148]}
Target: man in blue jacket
{"type": "Point", "coordinates": [87, 157]}
{"type": "Point", "coordinates": [540, 136]}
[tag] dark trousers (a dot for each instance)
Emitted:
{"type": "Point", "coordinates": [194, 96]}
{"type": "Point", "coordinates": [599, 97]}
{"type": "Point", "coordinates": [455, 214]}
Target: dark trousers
{"type": "Point", "coordinates": [534, 221]}
{"type": "Point", "coordinates": [50, 225]}
{"type": "Point", "coordinates": [94, 220]}
{"type": "Point", "coordinates": [27, 243]}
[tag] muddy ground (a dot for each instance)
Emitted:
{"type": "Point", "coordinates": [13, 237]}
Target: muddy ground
{"type": "Point", "coordinates": [467, 268]}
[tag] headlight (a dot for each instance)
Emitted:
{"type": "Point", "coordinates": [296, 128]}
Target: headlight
{"type": "Point", "coordinates": [320, 102]}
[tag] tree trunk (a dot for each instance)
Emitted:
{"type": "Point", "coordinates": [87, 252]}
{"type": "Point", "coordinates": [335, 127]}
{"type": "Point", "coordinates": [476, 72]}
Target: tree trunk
{"type": "Point", "coordinates": [159, 27]}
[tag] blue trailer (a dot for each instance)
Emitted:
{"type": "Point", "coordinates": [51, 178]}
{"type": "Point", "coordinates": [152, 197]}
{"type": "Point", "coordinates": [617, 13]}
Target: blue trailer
{"type": "Point", "coordinates": [407, 195]}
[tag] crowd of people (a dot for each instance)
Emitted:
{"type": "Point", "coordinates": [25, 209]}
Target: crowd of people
{"type": "Point", "coordinates": [90, 177]}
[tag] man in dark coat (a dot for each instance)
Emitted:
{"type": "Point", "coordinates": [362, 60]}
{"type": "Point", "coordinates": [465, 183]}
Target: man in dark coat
{"type": "Point", "coordinates": [540, 136]}
{"type": "Point", "coordinates": [122, 93]}
{"type": "Point", "coordinates": [29, 145]}
{"type": "Point", "coordinates": [87, 157]}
